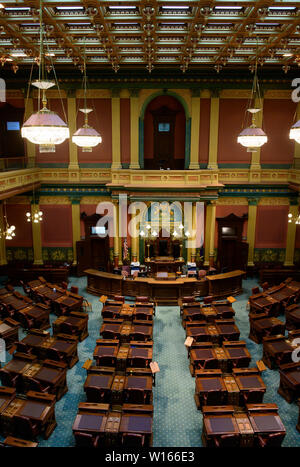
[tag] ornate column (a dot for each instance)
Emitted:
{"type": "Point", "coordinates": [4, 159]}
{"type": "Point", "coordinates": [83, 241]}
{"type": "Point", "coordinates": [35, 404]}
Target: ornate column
{"type": "Point", "coordinates": [116, 233]}
{"type": "Point", "coordinates": [255, 155]}
{"type": "Point", "coordinates": [30, 147]}
{"type": "Point", "coordinates": [291, 234]}
{"type": "Point", "coordinates": [116, 129]}
{"type": "Point", "coordinates": [252, 210]}
{"type": "Point", "coordinates": [75, 201]}
{"type": "Point", "coordinates": [71, 107]}
{"type": "Point", "coordinates": [194, 161]}
{"type": "Point", "coordinates": [3, 259]}
{"type": "Point", "coordinates": [194, 227]}
{"type": "Point", "coordinates": [297, 145]}
{"type": "Point", "coordinates": [213, 130]}
{"type": "Point", "coordinates": [134, 129]}
{"type": "Point", "coordinates": [210, 222]}
{"type": "Point", "coordinates": [36, 234]}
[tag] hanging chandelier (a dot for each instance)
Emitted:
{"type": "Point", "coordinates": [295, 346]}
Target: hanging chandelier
{"type": "Point", "coordinates": [295, 132]}
{"type": "Point", "coordinates": [86, 137]}
{"type": "Point", "coordinates": [253, 137]}
{"type": "Point", "coordinates": [8, 232]}
{"type": "Point", "coordinates": [295, 219]}
{"type": "Point", "coordinates": [44, 127]}
{"type": "Point", "coordinates": [36, 217]}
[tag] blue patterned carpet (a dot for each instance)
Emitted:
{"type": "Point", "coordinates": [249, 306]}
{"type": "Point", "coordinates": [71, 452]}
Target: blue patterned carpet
{"type": "Point", "coordinates": [177, 422]}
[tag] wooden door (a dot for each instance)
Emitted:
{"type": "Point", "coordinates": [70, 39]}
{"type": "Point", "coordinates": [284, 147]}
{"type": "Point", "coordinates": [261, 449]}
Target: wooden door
{"type": "Point", "coordinates": [164, 135]}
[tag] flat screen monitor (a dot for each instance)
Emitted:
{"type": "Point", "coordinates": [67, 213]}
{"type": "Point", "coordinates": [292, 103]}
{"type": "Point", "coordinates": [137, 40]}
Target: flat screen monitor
{"type": "Point", "coordinates": [98, 230]}
{"type": "Point", "coordinates": [13, 126]}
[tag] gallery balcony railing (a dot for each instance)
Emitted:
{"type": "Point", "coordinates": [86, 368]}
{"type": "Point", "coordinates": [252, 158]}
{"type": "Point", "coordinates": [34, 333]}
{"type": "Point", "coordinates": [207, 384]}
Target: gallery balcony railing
{"type": "Point", "coordinates": [12, 163]}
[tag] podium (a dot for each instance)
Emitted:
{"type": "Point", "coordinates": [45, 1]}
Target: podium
{"type": "Point", "coordinates": [164, 264]}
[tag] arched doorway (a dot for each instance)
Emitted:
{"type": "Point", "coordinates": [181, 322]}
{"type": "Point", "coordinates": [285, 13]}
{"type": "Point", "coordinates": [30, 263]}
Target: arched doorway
{"type": "Point", "coordinates": [164, 142]}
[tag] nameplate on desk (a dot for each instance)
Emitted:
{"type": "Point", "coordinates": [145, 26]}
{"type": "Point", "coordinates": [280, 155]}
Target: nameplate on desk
{"type": "Point", "coordinates": [231, 299]}
{"type": "Point", "coordinates": [188, 341]}
{"type": "Point", "coordinates": [103, 299]}
{"type": "Point", "coordinates": [260, 365]}
{"type": "Point", "coordinates": [87, 364]}
{"type": "Point", "coordinates": [154, 367]}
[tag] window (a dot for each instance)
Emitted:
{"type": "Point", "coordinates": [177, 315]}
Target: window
{"type": "Point", "coordinates": [164, 127]}
{"type": "Point", "coordinates": [13, 126]}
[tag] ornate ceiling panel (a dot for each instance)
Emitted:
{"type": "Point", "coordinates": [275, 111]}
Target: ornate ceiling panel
{"type": "Point", "coordinates": [152, 34]}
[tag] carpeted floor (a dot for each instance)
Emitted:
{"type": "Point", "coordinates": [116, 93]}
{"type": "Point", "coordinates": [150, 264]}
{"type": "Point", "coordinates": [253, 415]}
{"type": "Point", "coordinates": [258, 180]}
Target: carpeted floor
{"type": "Point", "coordinates": [177, 422]}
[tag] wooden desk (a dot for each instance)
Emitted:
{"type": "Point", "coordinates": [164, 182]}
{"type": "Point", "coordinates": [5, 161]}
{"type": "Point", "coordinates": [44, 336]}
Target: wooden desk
{"type": "Point", "coordinates": [263, 303]}
{"type": "Point", "coordinates": [64, 346]}
{"type": "Point", "coordinates": [284, 294]}
{"type": "Point", "coordinates": [19, 443]}
{"type": "Point", "coordinates": [265, 420]}
{"type": "Point", "coordinates": [292, 315]}
{"type": "Point", "coordinates": [220, 423]}
{"type": "Point", "coordinates": [210, 388]}
{"type": "Point", "coordinates": [56, 275]}
{"type": "Point", "coordinates": [237, 355]}
{"type": "Point", "coordinates": [277, 351]}
{"type": "Point", "coordinates": [289, 387]}
{"type": "Point", "coordinates": [9, 332]}
{"type": "Point", "coordinates": [76, 324]}
{"type": "Point", "coordinates": [262, 326]}
{"type": "Point", "coordinates": [90, 423]}
{"type": "Point", "coordinates": [250, 384]}
{"type": "Point", "coordinates": [221, 285]}
{"type": "Point", "coordinates": [139, 383]}
{"type": "Point", "coordinates": [67, 303]}
{"type": "Point", "coordinates": [98, 388]}
{"type": "Point", "coordinates": [34, 316]}
{"type": "Point", "coordinates": [139, 424]}
{"type": "Point", "coordinates": [106, 355]}
{"type": "Point", "coordinates": [38, 407]}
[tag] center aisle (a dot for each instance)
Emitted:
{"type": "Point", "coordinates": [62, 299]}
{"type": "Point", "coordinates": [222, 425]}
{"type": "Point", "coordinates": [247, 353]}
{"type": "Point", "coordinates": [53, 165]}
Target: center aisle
{"type": "Point", "coordinates": [176, 420]}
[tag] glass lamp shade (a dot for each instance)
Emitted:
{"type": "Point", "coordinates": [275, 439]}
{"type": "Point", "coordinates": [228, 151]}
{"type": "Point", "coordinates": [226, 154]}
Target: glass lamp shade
{"type": "Point", "coordinates": [45, 128]}
{"type": "Point", "coordinates": [252, 137]}
{"type": "Point", "coordinates": [295, 132]}
{"type": "Point", "coordinates": [86, 138]}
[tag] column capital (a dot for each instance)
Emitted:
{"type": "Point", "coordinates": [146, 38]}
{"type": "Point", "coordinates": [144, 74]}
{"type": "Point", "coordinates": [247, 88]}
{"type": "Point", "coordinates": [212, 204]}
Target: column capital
{"type": "Point", "coordinates": [75, 199]}
{"type": "Point", "coordinates": [195, 92]}
{"type": "Point", "coordinates": [215, 92]}
{"type": "Point", "coordinates": [134, 92]}
{"type": "Point", "coordinates": [253, 201]}
{"type": "Point", "coordinates": [71, 93]}
{"type": "Point", "coordinates": [294, 201]}
{"type": "Point", "coordinates": [115, 92]}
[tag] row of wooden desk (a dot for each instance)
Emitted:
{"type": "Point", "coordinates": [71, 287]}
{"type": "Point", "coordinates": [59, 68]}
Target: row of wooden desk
{"type": "Point", "coordinates": [279, 351]}
{"type": "Point", "coordinates": [118, 388]}
{"type": "Point", "coordinates": [274, 300]}
{"type": "Point", "coordinates": [226, 390]}
{"type": "Point", "coordinates": [24, 372]}
{"type": "Point", "coordinates": [98, 425]}
{"type": "Point", "coordinates": [258, 425]}
{"type": "Point", "coordinates": [28, 416]}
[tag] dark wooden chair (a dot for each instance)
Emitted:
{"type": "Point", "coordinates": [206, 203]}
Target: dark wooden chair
{"type": "Point", "coordinates": [133, 440]}
{"type": "Point", "coordinates": [86, 440]}
{"type": "Point", "coordinates": [25, 427]}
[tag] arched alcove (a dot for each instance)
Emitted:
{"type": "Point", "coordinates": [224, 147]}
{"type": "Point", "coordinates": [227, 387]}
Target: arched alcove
{"type": "Point", "coordinates": [164, 133]}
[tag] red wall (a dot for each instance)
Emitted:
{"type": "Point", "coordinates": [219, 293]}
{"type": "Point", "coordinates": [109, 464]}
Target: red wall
{"type": "Point", "coordinates": [179, 143]}
{"type": "Point", "coordinates": [16, 215]}
{"type": "Point", "coordinates": [204, 131]}
{"type": "Point", "coordinates": [271, 226]}
{"type": "Point", "coordinates": [277, 120]}
{"type": "Point", "coordinates": [56, 227]}
{"type": "Point", "coordinates": [231, 118]}
{"type": "Point", "coordinates": [125, 130]}
{"type": "Point", "coordinates": [100, 119]}
{"type": "Point", "coordinates": [223, 211]}
{"type": "Point", "coordinates": [61, 154]}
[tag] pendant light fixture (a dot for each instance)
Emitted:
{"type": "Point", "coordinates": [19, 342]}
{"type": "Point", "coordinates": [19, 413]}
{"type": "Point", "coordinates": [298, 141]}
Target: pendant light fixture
{"type": "Point", "coordinates": [86, 137]}
{"type": "Point", "coordinates": [44, 127]}
{"type": "Point", "coordinates": [253, 137]}
{"type": "Point", "coordinates": [36, 216]}
{"type": "Point", "coordinates": [8, 231]}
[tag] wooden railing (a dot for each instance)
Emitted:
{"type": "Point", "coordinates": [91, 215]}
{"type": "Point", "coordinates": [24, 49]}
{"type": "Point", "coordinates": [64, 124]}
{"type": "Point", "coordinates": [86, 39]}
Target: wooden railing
{"type": "Point", "coordinates": [12, 163]}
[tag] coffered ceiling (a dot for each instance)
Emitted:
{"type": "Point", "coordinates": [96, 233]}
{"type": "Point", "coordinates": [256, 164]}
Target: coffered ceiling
{"type": "Point", "coordinates": [183, 35]}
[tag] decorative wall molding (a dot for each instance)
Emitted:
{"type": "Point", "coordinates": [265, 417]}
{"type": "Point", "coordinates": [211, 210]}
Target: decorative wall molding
{"type": "Point", "coordinates": [274, 202]}
{"type": "Point", "coordinates": [55, 200]}
{"type": "Point", "coordinates": [232, 201]}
